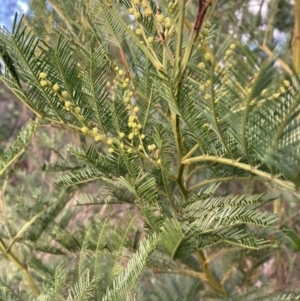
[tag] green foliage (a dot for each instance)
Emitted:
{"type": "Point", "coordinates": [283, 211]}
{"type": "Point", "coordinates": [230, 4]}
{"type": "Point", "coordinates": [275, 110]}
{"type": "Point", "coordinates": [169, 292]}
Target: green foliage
{"type": "Point", "coordinates": [170, 112]}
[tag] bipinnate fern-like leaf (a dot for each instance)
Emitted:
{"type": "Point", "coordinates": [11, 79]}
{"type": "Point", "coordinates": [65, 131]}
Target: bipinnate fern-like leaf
{"type": "Point", "coordinates": [18, 145]}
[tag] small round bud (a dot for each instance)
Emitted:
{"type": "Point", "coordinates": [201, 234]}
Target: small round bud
{"type": "Point", "coordinates": [150, 40]}
{"type": "Point", "coordinates": [84, 130]}
{"type": "Point", "coordinates": [116, 68]}
{"type": "Point", "coordinates": [64, 94]}
{"type": "Point", "coordinates": [137, 15]}
{"type": "Point", "coordinates": [129, 150]}
{"type": "Point", "coordinates": [140, 147]}
{"type": "Point", "coordinates": [111, 150]}
{"type": "Point", "coordinates": [228, 52]}
{"type": "Point", "coordinates": [286, 83]}
{"type": "Point", "coordinates": [281, 89]}
{"type": "Point", "coordinates": [95, 130]}
{"type": "Point", "coordinates": [201, 65]}
{"type": "Point", "coordinates": [55, 87]}
{"type": "Point", "coordinates": [159, 18]}
{"type": "Point", "coordinates": [148, 12]}
{"type": "Point", "coordinates": [98, 138]}
{"type": "Point", "coordinates": [207, 24]}
{"type": "Point", "coordinates": [131, 10]}
{"type": "Point", "coordinates": [207, 96]}
{"type": "Point", "coordinates": [121, 135]}
{"type": "Point", "coordinates": [139, 31]}
{"type": "Point", "coordinates": [129, 107]}
{"type": "Point", "coordinates": [130, 93]}
{"type": "Point", "coordinates": [130, 136]}
{"type": "Point", "coordinates": [232, 46]}
{"type": "Point", "coordinates": [135, 109]}
{"type": "Point", "coordinates": [43, 83]}
{"type": "Point", "coordinates": [159, 161]}
{"type": "Point", "coordinates": [42, 75]}
{"type": "Point", "coordinates": [143, 136]}
{"type": "Point", "coordinates": [205, 32]}
{"type": "Point", "coordinates": [206, 56]}
{"type": "Point", "coordinates": [67, 104]}
{"type": "Point", "coordinates": [121, 72]}
{"type": "Point", "coordinates": [77, 110]}
{"type": "Point", "coordinates": [109, 141]}
{"type": "Point", "coordinates": [124, 85]}
{"type": "Point", "coordinates": [276, 95]}
{"type": "Point", "coordinates": [201, 87]}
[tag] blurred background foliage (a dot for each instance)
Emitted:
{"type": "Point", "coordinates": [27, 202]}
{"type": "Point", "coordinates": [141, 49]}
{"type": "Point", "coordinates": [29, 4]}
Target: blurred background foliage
{"type": "Point", "coordinates": [267, 26]}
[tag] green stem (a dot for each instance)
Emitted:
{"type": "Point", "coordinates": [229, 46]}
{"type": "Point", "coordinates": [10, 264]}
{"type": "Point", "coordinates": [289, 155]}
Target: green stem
{"type": "Point", "coordinates": [211, 281]}
{"type": "Point", "coordinates": [22, 267]}
{"type": "Point", "coordinates": [246, 167]}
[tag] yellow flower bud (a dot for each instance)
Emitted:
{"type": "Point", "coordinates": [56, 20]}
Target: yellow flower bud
{"type": "Point", "coordinates": [130, 136]}
{"type": "Point", "coordinates": [130, 93]}
{"type": "Point", "coordinates": [150, 40]}
{"type": "Point", "coordinates": [228, 52]}
{"type": "Point", "coordinates": [201, 65]}
{"type": "Point", "coordinates": [121, 72]}
{"type": "Point", "coordinates": [111, 150]}
{"type": "Point", "coordinates": [109, 141]}
{"type": "Point", "coordinates": [55, 87]}
{"type": "Point", "coordinates": [148, 12]}
{"type": "Point", "coordinates": [286, 83]}
{"type": "Point", "coordinates": [159, 18]}
{"type": "Point", "coordinates": [281, 89]}
{"type": "Point", "coordinates": [95, 130]}
{"type": "Point", "coordinates": [139, 31]}
{"type": "Point", "coordinates": [77, 110]}
{"type": "Point", "coordinates": [67, 104]}
{"type": "Point", "coordinates": [143, 136]}
{"type": "Point", "coordinates": [201, 87]}
{"type": "Point", "coordinates": [84, 130]}
{"type": "Point", "coordinates": [43, 83]}
{"type": "Point", "coordinates": [64, 94]}
{"type": "Point", "coordinates": [137, 15]}
{"type": "Point", "coordinates": [131, 10]}
{"type": "Point", "coordinates": [121, 135]}
{"type": "Point", "coordinates": [135, 109]}
{"type": "Point", "coordinates": [232, 46]}
{"type": "Point", "coordinates": [206, 56]}
{"type": "Point", "coordinates": [98, 138]}
{"type": "Point", "coordinates": [124, 85]}
{"type": "Point", "coordinates": [42, 75]}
